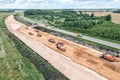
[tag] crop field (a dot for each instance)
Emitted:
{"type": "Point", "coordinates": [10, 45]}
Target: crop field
{"type": "Point", "coordinates": [115, 16]}
{"type": "Point", "coordinates": [13, 66]}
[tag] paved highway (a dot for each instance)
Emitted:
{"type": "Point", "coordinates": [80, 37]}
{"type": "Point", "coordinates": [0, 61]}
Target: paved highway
{"type": "Point", "coordinates": [107, 43]}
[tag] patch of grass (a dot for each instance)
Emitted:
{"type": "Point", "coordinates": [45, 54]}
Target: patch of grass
{"type": "Point", "coordinates": [13, 66]}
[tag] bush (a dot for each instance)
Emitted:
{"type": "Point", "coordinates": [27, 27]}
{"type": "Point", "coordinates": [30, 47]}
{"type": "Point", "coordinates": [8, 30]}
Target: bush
{"type": "Point", "coordinates": [108, 17]}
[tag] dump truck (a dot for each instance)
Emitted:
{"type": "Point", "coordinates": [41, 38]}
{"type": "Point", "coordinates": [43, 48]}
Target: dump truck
{"type": "Point", "coordinates": [79, 34]}
{"type": "Point", "coordinates": [106, 56]}
{"type": "Point", "coordinates": [51, 40]}
{"type": "Point", "coordinates": [61, 46]}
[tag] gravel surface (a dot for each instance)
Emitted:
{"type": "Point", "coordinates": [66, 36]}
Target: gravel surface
{"type": "Point", "coordinates": [82, 43]}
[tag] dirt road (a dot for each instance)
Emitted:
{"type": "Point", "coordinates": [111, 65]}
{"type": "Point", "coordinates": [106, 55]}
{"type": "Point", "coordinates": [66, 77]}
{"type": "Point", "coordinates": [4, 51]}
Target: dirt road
{"type": "Point", "coordinates": [70, 61]}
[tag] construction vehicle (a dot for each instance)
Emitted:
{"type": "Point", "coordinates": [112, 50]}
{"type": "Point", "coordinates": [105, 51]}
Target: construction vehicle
{"type": "Point", "coordinates": [61, 46]}
{"type": "Point", "coordinates": [79, 34]}
{"type": "Point", "coordinates": [36, 30]}
{"type": "Point", "coordinates": [35, 23]}
{"type": "Point", "coordinates": [26, 28]}
{"type": "Point", "coordinates": [51, 40]}
{"type": "Point", "coordinates": [30, 33]}
{"type": "Point", "coordinates": [106, 56]}
{"type": "Point", "coordinates": [39, 35]}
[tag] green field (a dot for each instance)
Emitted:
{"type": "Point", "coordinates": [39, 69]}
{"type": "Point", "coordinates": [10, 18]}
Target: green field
{"type": "Point", "coordinates": [13, 66]}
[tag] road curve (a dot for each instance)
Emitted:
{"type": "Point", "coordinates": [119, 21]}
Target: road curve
{"type": "Point", "coordinates": [70, 69]}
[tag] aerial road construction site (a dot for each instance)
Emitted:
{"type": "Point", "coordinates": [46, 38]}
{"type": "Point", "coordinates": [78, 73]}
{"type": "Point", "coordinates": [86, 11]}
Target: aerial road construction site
{"type": "Point", "coordinates": [75, 61]}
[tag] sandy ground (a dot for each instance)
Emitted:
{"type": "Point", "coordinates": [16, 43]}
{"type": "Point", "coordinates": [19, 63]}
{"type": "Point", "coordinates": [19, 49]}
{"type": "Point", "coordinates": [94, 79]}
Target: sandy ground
{"type": "Point", "coordinates": [115, 16]}
{"type": "Point", "coordinates": [70, 61]}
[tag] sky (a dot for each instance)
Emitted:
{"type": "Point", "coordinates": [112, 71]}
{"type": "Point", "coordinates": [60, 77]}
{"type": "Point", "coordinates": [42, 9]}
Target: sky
{"type": "Point", "coordinates": [58, 4]}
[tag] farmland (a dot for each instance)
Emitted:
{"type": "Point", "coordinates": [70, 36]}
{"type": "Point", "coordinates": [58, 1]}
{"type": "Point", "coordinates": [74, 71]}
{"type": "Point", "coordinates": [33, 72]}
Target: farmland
{"type": "Point", "coordinates": [115, 16]}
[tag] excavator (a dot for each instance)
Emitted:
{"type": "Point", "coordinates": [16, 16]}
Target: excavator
{"type": "Point", "coordinates": [106, 56]}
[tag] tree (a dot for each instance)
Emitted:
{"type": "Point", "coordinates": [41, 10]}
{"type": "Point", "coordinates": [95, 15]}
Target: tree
{"type": "Point", "coordinates": [108, 17]}
{"type": "Point", "coordinates": [117, 11]}
{"type": "Point", "coordinates": [92, 15]}
{"type": "Point", "coordinates": [52, 18]}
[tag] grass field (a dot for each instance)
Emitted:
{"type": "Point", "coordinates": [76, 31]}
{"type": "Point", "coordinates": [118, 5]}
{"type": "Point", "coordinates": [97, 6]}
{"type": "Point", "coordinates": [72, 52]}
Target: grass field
{"type": "Point", "coordinates": [13, 66]}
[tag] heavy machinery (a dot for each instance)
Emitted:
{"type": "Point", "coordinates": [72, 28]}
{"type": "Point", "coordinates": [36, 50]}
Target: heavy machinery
{"type": "Point", "coordinates": [26, 28]}
{"type": "Point", "coordinates": [79, 34]}
{"type": "Point", "coordinates": [36, 30]}
{"type": "Point", "coordinates": [30, 33]}
{"type": "Point", "coordinates": [35, 24]}
{"type": "Point", "coordinates": [39, 35]}
{"type": "Point", "coordinates": [106, 56]}
{"type": "Point", "coordinates": [61, 46]}
{"type": "Point", "coordinates": [51, 40]}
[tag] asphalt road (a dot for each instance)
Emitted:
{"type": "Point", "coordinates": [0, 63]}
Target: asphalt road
{"type": "Point", "coordinates": [107, 43]}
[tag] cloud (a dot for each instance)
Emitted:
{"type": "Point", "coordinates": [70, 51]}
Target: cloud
{"type": "Point", "coordinates": [36, 1]}
{"type": "Point", "coordinates": [116, 0]}
{"type": "Point", "coordinates": [66, 1]}
{"type": "Point", "coordinates": [59, 4]}
{"type": "Point", "coordinates": [7, 1]}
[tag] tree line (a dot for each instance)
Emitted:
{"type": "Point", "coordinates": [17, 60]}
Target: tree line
{"type": "Point", "coordinates": [85, 23]}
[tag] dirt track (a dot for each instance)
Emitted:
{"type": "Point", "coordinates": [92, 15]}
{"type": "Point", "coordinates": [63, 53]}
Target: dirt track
{"type": "Point", "coordinates": [115, 16]}
{"type": "Point", "coordinates": [79, 54]}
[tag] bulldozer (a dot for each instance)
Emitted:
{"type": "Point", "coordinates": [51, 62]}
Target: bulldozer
{"type": "Point", "coordinates": [30, 33]}
{"type": "Point", "coordinates": [106, 56]}
{"type": "Point", "coordinates": [51, 40]}
{"type": "Point", "coordinates": [61, 46]}
{"type": "Point", "coordinates": [39, 35]}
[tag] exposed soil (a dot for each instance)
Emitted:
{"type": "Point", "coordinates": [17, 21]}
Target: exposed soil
{"type": "Point", "coordinates": [80, 54]}
{"type": "Point", "coordinates": [80, 42]}
{"type": "Point", "coordinates": [77, 53]}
